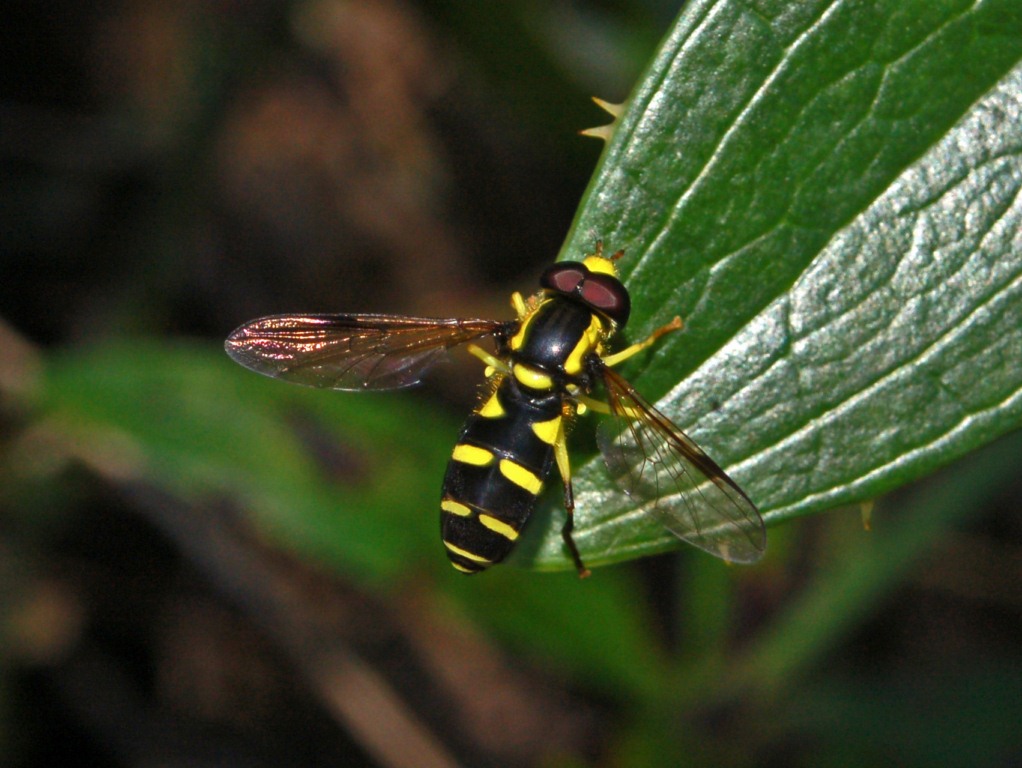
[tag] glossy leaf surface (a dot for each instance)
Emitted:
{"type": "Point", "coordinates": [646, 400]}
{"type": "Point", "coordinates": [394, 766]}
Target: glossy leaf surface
{"type": "Point", "coordinates": [827, 193]}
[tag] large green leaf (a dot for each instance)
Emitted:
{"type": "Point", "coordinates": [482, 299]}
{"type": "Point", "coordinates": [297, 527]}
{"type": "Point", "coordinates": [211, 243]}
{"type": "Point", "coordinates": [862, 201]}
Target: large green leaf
{"type": "Point", "coordinates": [827, 193]}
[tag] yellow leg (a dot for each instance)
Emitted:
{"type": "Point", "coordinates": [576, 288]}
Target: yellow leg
{"type": "Point", "coordinates": [564, 467]}
{"type": "Point", "coordinates": [601, 407]}
{"type": "Point", "coordinates": [627, 352]}
{"type": "Point", "coordinates": [518, 305]}
{"type": "Point", "coordinates": [493, 363]}
{"type": "Point", "coordinates": [597, 405]}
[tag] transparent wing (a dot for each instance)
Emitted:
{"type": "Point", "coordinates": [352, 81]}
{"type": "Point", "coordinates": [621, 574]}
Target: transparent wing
{"type": "Point", "coordinates": [353, 352]}
{"type": "Point", "coordinates": [664, 471]}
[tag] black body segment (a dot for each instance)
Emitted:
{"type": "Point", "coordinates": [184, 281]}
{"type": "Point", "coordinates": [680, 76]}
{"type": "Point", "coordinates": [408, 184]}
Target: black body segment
{"type": "Point", "coordinates": [496, 474]}
{"type": "Point", "coordinates": [551, 334]}
{"type": "Point", "coordinates": [507, 447]}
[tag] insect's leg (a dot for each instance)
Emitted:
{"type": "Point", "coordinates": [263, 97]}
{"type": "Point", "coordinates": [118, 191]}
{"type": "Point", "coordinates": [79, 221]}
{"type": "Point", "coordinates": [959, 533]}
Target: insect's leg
{"type": "Point", "coordinates": [493, 364]}
{"type": "Point", "coordinates": [564, 467]}
{"type": "Point", "coordinates": [518, 305]}
{"type": "Point", "coordinates": [624, 354]}
{"type": "Point", "coordinates": [601, 407]}
{"type": "Point", "coordinates": [584, 401]}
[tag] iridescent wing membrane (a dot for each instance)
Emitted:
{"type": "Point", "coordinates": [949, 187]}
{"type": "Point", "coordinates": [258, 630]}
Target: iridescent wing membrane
{"type": "Point", "coordinates": [664, 471]}
{"type": "Point", "coordinates": [352, 352]}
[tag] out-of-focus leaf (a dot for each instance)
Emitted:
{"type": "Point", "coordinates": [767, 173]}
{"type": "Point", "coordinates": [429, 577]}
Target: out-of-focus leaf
{"type": "Point", "coordinates": [344, 478]}
{"type": "Point", "coordinates": [351, 479]}
{"type": "Point", "coordinates": [597, 630]}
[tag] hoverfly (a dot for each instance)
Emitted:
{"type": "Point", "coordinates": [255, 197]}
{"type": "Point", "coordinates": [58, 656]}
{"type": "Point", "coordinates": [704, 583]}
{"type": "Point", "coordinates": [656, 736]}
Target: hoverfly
{"type": "Point", "coordinates": [547, 363]}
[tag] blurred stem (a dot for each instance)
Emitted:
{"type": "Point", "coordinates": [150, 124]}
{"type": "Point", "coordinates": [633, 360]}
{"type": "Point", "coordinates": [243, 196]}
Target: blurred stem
{"type": "Point", "coordinates": [850, 586]}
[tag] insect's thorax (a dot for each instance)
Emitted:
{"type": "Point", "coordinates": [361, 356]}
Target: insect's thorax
{"type": "Point", "coordinates": [553, 343]}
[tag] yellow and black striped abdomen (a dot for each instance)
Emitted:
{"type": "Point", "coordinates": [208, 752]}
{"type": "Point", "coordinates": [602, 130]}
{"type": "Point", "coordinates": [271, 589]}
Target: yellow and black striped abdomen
{"type": "Point", "coordinates": [496, 473]}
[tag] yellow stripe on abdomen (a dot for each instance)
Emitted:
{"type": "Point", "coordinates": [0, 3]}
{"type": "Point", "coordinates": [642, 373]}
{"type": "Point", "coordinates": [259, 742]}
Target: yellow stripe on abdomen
{"type": "Point", "coordinates": [520, 476]}
{"type": "Point", "coordinates": [492, 408]}
{"type": "Point", "coordinates": [455, 508]}
{"type": "Point", "coordinates": [547, 431]}
{"type": "Point", "coordinates": [465, 553]}
{"type": "Point", "coordinates": [532, 378]}
{"type": "Point", "coordinates": [498, 527]}
{"type": "Point", "coordinates": [472, 454]}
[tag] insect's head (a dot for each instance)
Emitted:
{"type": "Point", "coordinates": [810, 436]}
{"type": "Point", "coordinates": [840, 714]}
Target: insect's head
{"type": "Point", "coordinates": [592, 282]}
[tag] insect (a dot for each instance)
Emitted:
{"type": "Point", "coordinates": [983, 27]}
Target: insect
{"type": "Point", "coordinates": [547, 364]}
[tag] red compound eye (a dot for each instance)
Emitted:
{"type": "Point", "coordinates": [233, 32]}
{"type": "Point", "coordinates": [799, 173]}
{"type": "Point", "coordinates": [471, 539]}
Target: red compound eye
{"type": "Point", "coordinates": [606, 294]}
{"type": "Point", "coordinates": [601, 292]}
{"type": "Point", "coordinates": [564, 277]}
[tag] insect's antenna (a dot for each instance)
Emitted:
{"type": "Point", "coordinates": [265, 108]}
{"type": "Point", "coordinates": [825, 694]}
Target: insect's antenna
{"type": "Point", "coordinates": [612, 257]}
